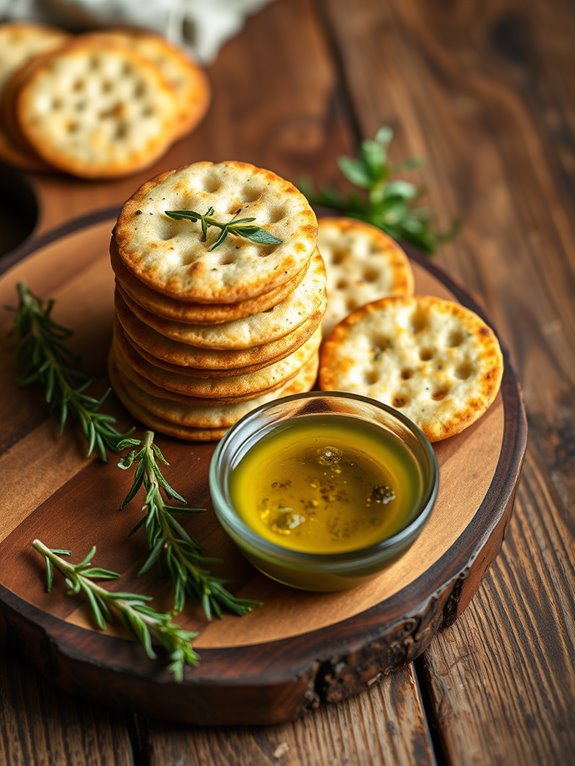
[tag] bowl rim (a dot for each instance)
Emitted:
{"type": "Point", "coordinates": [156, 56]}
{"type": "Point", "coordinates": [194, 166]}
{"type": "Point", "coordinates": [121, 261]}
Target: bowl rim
{"type": "Point", "coordinates": [340, 561]}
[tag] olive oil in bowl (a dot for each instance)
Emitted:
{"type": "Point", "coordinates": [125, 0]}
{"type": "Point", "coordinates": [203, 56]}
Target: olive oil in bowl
{"type": "Point", "coordinates": [323, 484]}
{"type": "Point", "coordinates": [323, 490]}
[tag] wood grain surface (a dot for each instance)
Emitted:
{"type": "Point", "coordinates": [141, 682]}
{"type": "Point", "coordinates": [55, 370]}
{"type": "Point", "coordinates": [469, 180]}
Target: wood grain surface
{"type": "Point", "coordinates": [485, 93]}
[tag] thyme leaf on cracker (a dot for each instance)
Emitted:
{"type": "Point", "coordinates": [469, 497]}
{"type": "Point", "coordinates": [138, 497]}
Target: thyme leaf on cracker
{"type": "Point", "coordinates": [145, 624]}
{"type": "Point", "coordinates": [239, 227]}
{"type": "Point", "coordinates": [169, 544]}
{"type": "Point", "coordinates": [384, 201]}
{"type": "Point", "coordinates": [44, 358]}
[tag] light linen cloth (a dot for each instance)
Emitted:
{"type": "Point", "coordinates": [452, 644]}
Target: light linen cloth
{"type": "Point", "coordinates": [200, 26]}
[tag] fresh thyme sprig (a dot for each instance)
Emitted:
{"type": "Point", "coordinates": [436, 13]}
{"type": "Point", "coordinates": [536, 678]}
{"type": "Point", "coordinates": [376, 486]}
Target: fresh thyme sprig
{"type": "Point", "coordinates": [144, 623]}
{"type": "Point", "coordinates": [45, 358]}
{"type": "Point", "coordinates": [169, 544]}
{"type": "Point", "coordinates": [240, 227]}
{"type": "Point", "coordinates": [383, 202]}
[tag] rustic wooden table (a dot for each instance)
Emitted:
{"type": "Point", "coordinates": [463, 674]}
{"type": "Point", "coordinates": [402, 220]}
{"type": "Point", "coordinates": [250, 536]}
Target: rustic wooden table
{"type": "Point", "coordinates": [485, 93]}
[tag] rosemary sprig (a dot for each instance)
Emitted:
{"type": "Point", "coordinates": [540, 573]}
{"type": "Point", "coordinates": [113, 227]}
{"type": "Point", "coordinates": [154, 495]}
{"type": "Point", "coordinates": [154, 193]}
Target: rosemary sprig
{"type": "Point", "coordinates": [144, 623]}
{"type": "Point", "coordinates": [44, 358]}
{"type": "Point", "coordinates": [240, 227]}
{"type": "Point", "coordinates": [383, 202]}
{"type": "Point", "coordinates": [169, 544]}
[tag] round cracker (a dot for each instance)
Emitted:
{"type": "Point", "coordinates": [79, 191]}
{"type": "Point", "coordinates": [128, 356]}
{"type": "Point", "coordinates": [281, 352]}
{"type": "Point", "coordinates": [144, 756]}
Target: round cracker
{"type": "Point", "coordinates": [433, 359]}
{"type": "Point", "coordinates": [152, 421]}
{"type": "Point", "coordinates": [255, 330]}
{"type": "Point", "coordinates": [185, 355]}
{"type": "Point", "coordinates": [188, 80]}
{"type": "Point", "coordinates": [183, 382]}
{"type": "Point", "coordinates": [170, 256]}
{"type": "Point", "coordinates": [362, 263]}
{"type": "Point", "coordinates": [21, 42]}
{"type": "Point", "coordinates": [133, 375]}
{"type": "Point", "coordinates": [196, 313]}
{"type": "Point", "coordinates": [141, 404]}
{"type": "Point", "coordinates": [96, 112]}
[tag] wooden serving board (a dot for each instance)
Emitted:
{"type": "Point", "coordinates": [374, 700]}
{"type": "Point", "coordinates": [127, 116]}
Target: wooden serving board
{"type": "Point", "coordinates": [298, 649]}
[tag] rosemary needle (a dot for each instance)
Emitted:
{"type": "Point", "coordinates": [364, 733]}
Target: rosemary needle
{"type": "Point", "coordinates": [240, 227]}
{"type": "Point", "coordinates": [144, 623]}
{"type": "Point", "coordinates": [45, 358]}
{"type": "Point", "coordinates": [169, 544]}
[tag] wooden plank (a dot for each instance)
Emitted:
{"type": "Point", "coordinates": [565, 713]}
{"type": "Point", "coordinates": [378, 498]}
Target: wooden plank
{"type": "Point", "coordinates": [502, 678]}
{"type": "Point", "coordinates": [487, 99]}
{"type": "Point", "coordinates": [41, 725]}
{"type": "Point", "coordinates": [384, 725]}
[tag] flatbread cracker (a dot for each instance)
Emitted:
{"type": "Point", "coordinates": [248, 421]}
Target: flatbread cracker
{"type": "Point", "coordinates": [19, 43]}
{"type": "Point", "coordinates": [183, 381]}
{"type": "Point", "coordinates": [154, 411]}
{"type": "Point", "coordinates": [255, 330]}
{"type": "Point", "coordinates": [96, 112]}
{"type": "Point", "coordinates": [432, 359]}
{"type": "Point", "coordinates": [197, 313]}
{"type": "Point", "coordinates": [173, 352]}
{"type": "Point", "coordinates": [170, 257]}
{"type": "Point", "coordinates": [185, 76]}
{"type": "Point", "coordinates": [362, 263]}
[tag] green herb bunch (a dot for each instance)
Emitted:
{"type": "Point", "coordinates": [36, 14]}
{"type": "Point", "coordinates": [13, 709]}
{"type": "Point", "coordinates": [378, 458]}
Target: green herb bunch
{"type": "Point", "coordinates": [383, 201]}
{"type": "Point", "coordinates": [44, 358]}
{"type": "Point", "coordinates": [239, 227]}
{"type": "Point", "coordinates": [169, 544]}
{"type": "Point", "coordinates": [144, 623]}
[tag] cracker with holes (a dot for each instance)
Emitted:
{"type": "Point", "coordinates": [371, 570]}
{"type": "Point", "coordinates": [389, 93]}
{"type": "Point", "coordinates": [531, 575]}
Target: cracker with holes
{"type": "Point", "coordinates": [96, 112]}
{"type": "Point", "coordinates": [255, 330]}
{"type": "Point", "coordinates": [196, 313]}
{"type": "Point", "coordinates": [183, 380]}
{"type": "Point", "coordinates": [188, 421]}
{"type": "Point", "coordinates": [173, 258]}
{"type": "Point", "coordinates": [433, 359]}
{"type": "Point", "coordinates": [21, 42]}
{"type": "Point", "coordinates": [184, 75]}
{"type": "Point", "coordinates": [174, 353]}
{"type": "Point", "coordinates": [362, 263]}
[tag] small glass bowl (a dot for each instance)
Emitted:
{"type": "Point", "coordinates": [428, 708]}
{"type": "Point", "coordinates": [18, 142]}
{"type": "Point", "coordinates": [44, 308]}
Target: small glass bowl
{"type": "Point", "coordinates": [319, 571]}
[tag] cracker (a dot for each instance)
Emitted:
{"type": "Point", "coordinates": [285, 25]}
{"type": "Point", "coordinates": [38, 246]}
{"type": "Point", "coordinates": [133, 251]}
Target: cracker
{"type": "Point", "coordinates": [170, 257]}
{"type": "Point", "coordinates": [185, 76]}
{"type": "Point", "coordinates": [142, 405]}
{"type": "Point", "coordinates": [362, 263]}
{"type": "Point", "coordinates": [255, 330]}
{"type": "Point", "coordinates": [197, 313]}
{"type": "Point", "coordinates": [152, 421]}
{"type": "Point", "coordinates": [183, 381]}
{"type": "Point", "coordinates": [96, 112]}
{"type": "Point", "coordinates": [21, 42]}
{"type": "Point", "coordinates": [175, 353]}
{"type": "Point", "coordinates": [432, 359]}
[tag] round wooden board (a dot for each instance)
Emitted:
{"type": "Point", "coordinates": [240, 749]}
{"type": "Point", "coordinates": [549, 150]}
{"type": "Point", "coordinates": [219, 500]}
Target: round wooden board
{"type": "Point", "coordinates": [295, 651]}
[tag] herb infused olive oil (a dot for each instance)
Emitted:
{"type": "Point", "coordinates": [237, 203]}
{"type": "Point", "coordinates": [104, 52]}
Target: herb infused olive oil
{"type": "Point", "coordinates": [324, 484]}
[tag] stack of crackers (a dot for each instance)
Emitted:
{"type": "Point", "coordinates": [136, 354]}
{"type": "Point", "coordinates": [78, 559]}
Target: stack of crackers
{"type": "Point", "coordinates": [98, 105]}
{"type": "Point", "coordinates": [205, 333]}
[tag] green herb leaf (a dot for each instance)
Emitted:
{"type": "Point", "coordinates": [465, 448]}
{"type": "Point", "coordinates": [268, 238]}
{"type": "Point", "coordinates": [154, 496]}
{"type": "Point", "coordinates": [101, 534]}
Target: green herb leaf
{"type": "Point", "coordinates": [45, 359]}
{"type": "Point", "coordinates": [382, 201]}
{"type": "Point", "coordinates": [236, 226]}
{"type": "Point", "coordinates": [145, 624]}
{"type": "Point", "coordinates": [170, 546]}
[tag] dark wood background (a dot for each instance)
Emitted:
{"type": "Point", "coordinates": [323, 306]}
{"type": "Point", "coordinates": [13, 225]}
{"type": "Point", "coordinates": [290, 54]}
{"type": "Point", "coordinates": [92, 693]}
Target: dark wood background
{"type": "Point", "coordinates": [485, 92]}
